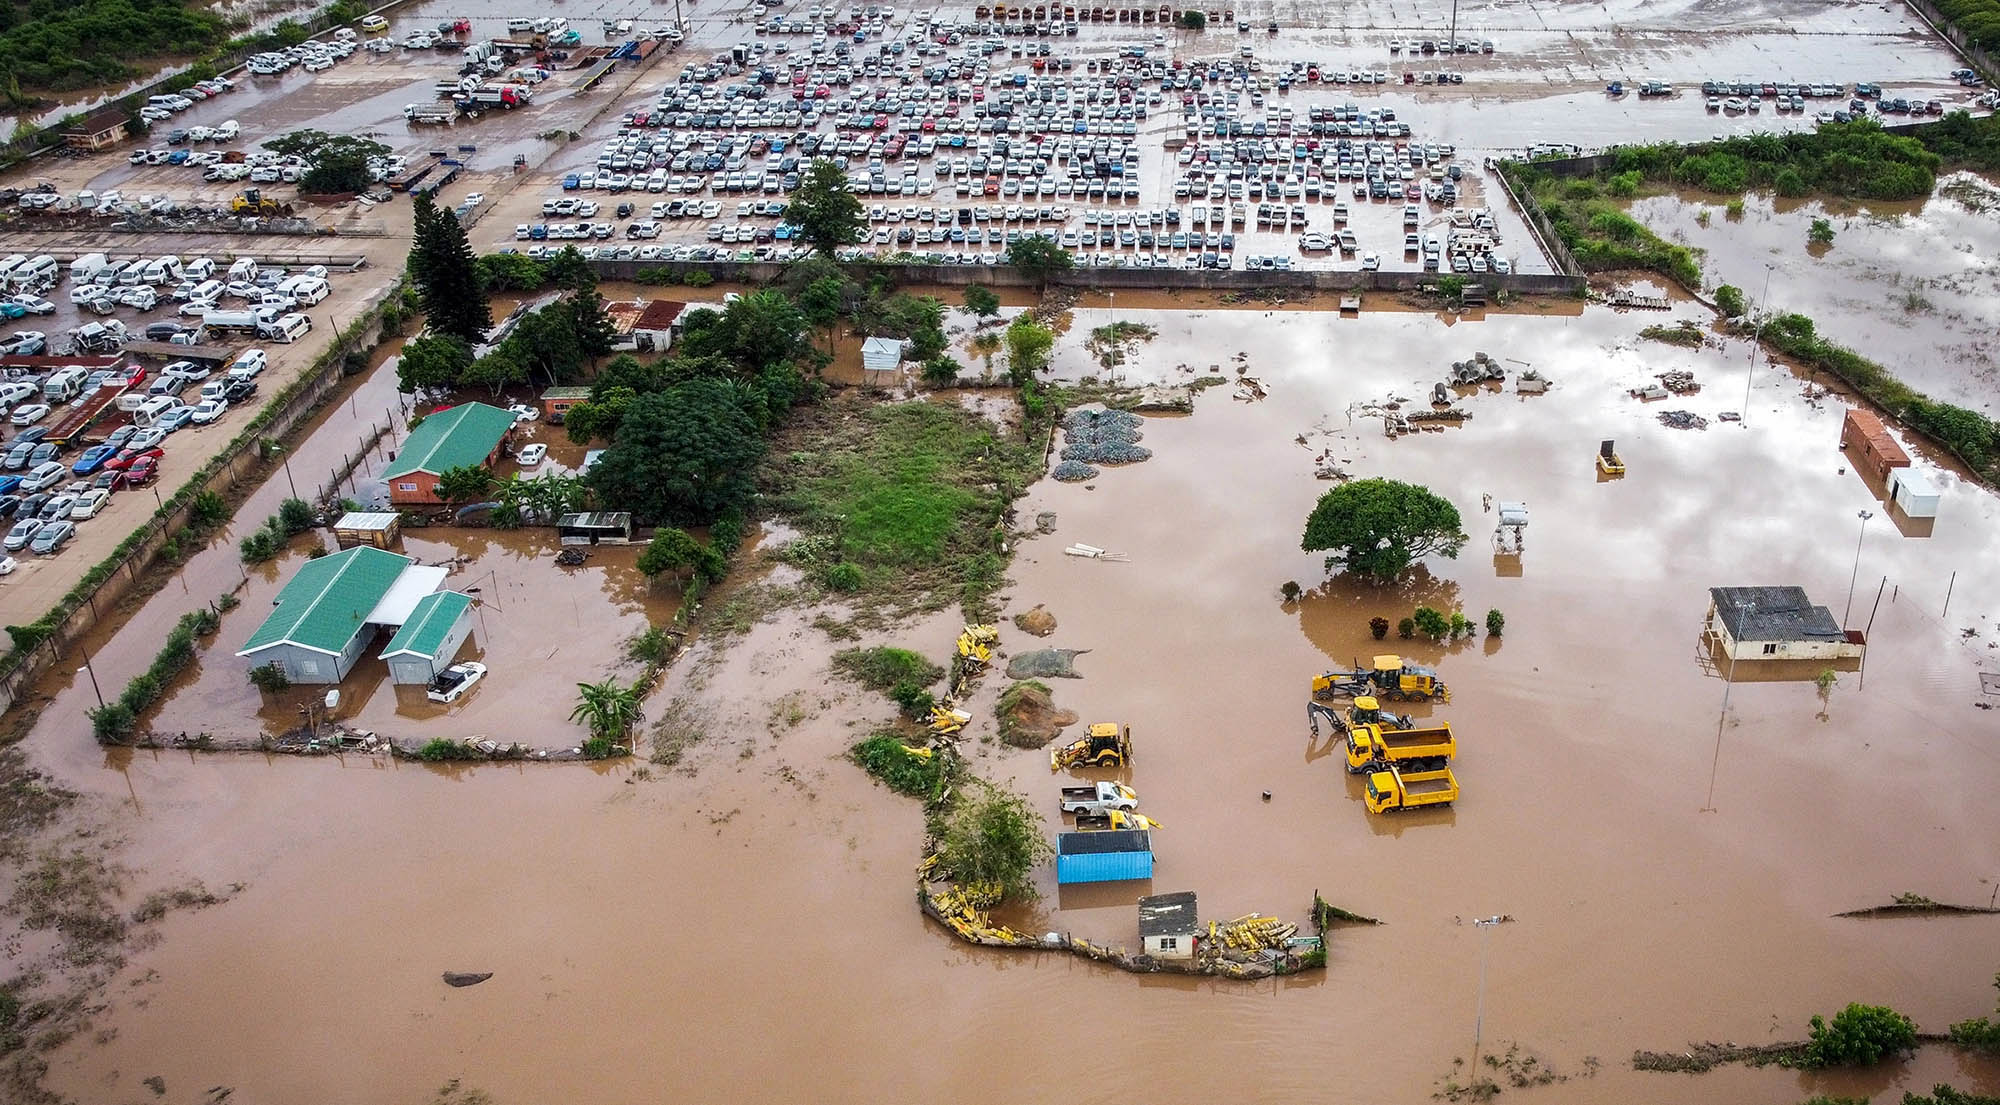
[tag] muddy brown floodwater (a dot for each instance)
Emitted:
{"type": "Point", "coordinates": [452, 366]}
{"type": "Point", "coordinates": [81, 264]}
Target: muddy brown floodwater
{"type": "Point", "coordinates": [1913, 286]}
{"type": "Point", "coordinates": [741, 927]}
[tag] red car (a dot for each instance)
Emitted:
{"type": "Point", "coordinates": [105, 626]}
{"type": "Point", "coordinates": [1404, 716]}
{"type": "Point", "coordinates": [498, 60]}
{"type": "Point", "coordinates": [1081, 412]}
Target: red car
{"type": "Point", "coordinates": [143, 471]}
{"type": "Point", "coordinates": [127, 457]}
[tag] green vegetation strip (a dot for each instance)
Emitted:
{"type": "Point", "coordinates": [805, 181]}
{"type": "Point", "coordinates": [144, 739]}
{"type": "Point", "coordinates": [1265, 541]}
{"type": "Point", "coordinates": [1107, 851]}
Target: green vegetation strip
{"type": "Point", "coordinates": [116, 720]}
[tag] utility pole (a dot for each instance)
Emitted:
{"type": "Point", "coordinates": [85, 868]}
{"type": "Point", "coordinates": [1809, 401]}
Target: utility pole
{"type": "Point", "coordinates": [1485, 927]}
{"type": "Point", "coordinates": [1716, 763]}
{"type": "Point", "coordinates": [1750, 374]}
{"type": "Point", "coordinates": [1856, 573]}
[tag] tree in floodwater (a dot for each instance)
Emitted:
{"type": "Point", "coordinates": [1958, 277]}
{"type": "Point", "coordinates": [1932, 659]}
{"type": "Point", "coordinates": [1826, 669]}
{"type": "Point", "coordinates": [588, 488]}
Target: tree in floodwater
{"type": "Point", "coordinates": [993, 837]}
{"type": "Point", "coordinates": [608, 709]}
{"type": "Point", "coordinates": [1379, 527]}
{"type": "Point", "coordinates": [446, 274]}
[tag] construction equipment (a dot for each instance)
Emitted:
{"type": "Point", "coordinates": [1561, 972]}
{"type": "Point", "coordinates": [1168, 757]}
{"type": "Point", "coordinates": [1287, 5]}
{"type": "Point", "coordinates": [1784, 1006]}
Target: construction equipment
{"type": "Point", "coordinates": [1317, 710]}
{"type": "Point", "coordinates": [1106, 745]}
{"type": "Point", "coordinates": [1373, 747]}
{"type": "Point", "coordinates": [1400, 681]}
{"type": "Point", "coordinates": [1099, 798]}
{"type": "Point", "coordinates": [1608, 461]}
{"type": "Point", "coordinates": [1115, 819]}
{"type": "Point", "coordinates": [1330, 685]}
{"type": "Point", "coordinates": [1367, 710]}
{"type": "Point", "coordinates": [1395, 789]}
{"type": "Point", "coordinates": [251, 201]}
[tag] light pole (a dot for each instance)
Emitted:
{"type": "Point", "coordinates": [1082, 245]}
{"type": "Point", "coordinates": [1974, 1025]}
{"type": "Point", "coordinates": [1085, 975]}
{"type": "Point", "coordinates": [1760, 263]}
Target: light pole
{"type": "Point", "coordinates": [86, 670]}
{"type": "Point", "coordinates": [285, 458]}
{"type": "Point", "coordinates": [1750, 610]}
{"type": "Point", "coordinates": [1485, 927]}
{"type": "Point", "coordinates": [1763, 314]}
{"type": "Point", "coordinates": [1851, 576]}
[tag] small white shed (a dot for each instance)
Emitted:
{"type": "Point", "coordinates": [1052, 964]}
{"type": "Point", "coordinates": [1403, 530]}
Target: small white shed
{"type": "Point", "coordinates": [1912, 491]}
{"type": "Point", "coordinates": [881, 354]}
{"type": "Point", "coordinates": [1167, 925]}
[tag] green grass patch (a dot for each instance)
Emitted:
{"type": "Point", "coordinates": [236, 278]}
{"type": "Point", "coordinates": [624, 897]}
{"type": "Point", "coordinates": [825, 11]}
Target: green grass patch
{"type": "Point", "coordinates": [1686, 334]}
{"type": "Point", "coordinates": [880, 669]}
{"type": "Point", "coordinates": [899, 767]}
{"type": "Point", "coordinates": [905, 502]}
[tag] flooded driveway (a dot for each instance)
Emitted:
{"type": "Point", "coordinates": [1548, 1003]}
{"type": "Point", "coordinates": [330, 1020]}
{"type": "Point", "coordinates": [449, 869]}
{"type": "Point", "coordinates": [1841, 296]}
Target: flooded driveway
{"type": "Point", "coordinates": [642, 923]}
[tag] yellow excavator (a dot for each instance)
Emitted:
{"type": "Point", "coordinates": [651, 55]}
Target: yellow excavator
{"type": "Point", "coordinates": [1107, 744]}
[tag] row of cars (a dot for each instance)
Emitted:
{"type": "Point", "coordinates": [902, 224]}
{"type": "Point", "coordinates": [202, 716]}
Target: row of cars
{"type": "Point", "coordinates": [167, 104]}
{"type": "Point", "coordinates": [42, 517]}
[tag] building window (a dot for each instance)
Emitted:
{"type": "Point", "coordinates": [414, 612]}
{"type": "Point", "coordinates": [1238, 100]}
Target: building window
{"type": "Point", "coordinates": [308, 666]}
{"type": "Point", "coordinates": [406, 487]}
{"type": "Point", "coordinates": [1770, 650]}
{"type": "Point", "coordinates": [1170, 943]}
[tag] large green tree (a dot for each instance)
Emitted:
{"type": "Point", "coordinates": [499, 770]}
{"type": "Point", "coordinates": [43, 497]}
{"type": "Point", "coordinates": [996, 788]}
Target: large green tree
{"type": "Point", "coordinates": [433, 361]}
{"type": "Point", "coordinates": [1378, 527]}
{"type": "Point", "coordinates": [994, 837]}
{"type": "Point", "coordinates": [1039, 258]}
{"type": "Point", "coordinates": [1028, 345]}
{"type": "Point", "coordinates": [446, 274]}
{"type": "Point", "coordinates": [339, 161]}
{"type": "Point", "coordinates": [981, 301]}
{"type": "Point", "coordinates": [755, 332]}
{"type": "Point", "coordinates": [827, 214]}
{"type": "Point", "coordinates": [680, 457]}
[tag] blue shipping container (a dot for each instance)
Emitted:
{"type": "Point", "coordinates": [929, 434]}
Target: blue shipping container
{"type": "Point", "coordinates": [1104, 867]}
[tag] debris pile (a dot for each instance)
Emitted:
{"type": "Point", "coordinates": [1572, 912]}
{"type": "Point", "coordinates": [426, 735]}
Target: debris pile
{"type": "Point", "coordinates": [1683, 420]}
{"type": "Point", "coordinates": [1045, 663]}
{"type": "Point", "coordinates": [1531, 382]}
{"type": "Point", "coordinates": [1103, 437]}
{"type": "Point", "coordinates": [1071, 471]}
{"type": "Point", "coordinates": [1679, 382]}
{"type": "Point", "coordinates": [1251, 933]}
{"type": "Point", "coordinates": [1477, 370]}
{"type": "Point", "coordinates": [955, 909]}
{"type": "Point", "coordinates": [571, 557]}
{"type": "Point", "coordinates": [1038, 621]}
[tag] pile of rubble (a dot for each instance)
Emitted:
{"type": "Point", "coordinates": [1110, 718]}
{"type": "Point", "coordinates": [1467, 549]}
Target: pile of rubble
{"type": "Point", "coordinates": [1477, 370]}
{"type": "Point", "coordinates": [1679, 382]}
{"type": "Point", "coordinates": [1683, 420]}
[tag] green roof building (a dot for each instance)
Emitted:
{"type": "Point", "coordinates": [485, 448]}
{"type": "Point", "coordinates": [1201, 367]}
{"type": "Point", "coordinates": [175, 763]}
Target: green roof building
{"type": "Point", "coordinates": [469, 433]}
{"type": "Point", "coordinates": [332, 608]}
{"type": "Point", "coordinates": [437, 625]}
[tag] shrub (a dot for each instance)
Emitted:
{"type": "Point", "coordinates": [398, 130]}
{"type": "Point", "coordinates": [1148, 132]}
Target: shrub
{"type": "Point", "coordinates": [1821, 233]}
{"type": "Point", "coordinates": [1290, 591]}
{"type": "Point", "coordinates": [295, 516]}
{"type": "Point", "coordinates": [897, 766]}
{"type": "Point", "coordinates": [942, 371]}
{"type": "Point", "coordinates": [1979, 1033]}
{"type": "Point", "coordinates": [1858, 1036]}
{"type": "Point", "coordinates": [1378, 627]}
{"type": "Point", "coordinates": [112, 722]}
{"type": "Point", "coordinates": [883, 668]}
{"type": "Point", "coordinates": [843, 577]}
{"type": "Point", "coordinates": [1624, 184]}
{"type": "Point", "coordinates": [1406, 628]}
{"type": "Point", "coordinates": [1431, 622]}
{"type": "Point", "coordinates": [1495, 621]}
{"type": "Point", "coordinates": [995, 839]}
{"type": "Point", "coordinates": [1192, 20]}
{"type": "Point", "coordinates": [916, 702]}
{"type": "Point", "coordinates": [1729, 300]}
{"type": "Point", "coordinates": [269, 677]}
{"type": "Point", "coordinates": [442, 749]}
{"type": "Point", "coordinates": [1461, 626]}
{"type": "Point", "coordinates": [654, 647]}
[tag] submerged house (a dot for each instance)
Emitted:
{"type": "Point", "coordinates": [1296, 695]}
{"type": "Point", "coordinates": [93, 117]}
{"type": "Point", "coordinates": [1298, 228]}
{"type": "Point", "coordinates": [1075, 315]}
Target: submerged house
{"type": "Point", "coordinates": [1775, 623]}
{"type": "Point", "coordinates": [329, 612]}
{"type": "Point", "coordinates": [469, 433]}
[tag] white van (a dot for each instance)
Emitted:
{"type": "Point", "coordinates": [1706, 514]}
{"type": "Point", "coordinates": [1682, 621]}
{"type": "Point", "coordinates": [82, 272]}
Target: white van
{"type": "Point", "coordinates": [84, 267]}
{"type": "Point", "coordinates": [65, 384]}
{"type": "Point", "coordinates": [287, 328]}
{"type": "Point", "coordinates": [36, 271]}
{"type": "Point", "coordinates": [131, 401]}
{"type": "Point", "coordinates": [245, 268]}
{"type": "Point", "coordinates": [307, 290]}
{"type": "Point", "coordinates": [201, 268]}
{"type": "Point", "coordinates": [153, 409]}
{"type": "Point", "coordinates": [133, 272]}
{"type": "Point", "coordinates": [208, 291]}
{"type": "Point", "coordinates": [227, 130]}
{"type": "Point", "coordinates": [155, 272]}
{"type": "Point", "coordinates": [11, 263]}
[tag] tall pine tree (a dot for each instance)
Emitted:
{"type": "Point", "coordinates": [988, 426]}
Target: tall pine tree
{"type": "Point", "coordinates": [447, 276]}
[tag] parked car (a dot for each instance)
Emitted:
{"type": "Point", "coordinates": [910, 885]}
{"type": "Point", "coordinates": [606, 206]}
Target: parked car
{"type": "Point", "coordinates": [523, 412]}
{"type": "Point", "coordinates": [175, 419]}
{"type": "Point", "coordinates": [93, 459]}
{"type": "Point", "coordinates": [131, 455]}
{"type": "Point", "coordinates": [142, 472]}
{"type": "Point", "coordinates": [147, 438]}
{"type": "Point", "coordinates": [532, 454]}
{"type": "Point", "coordinates": [451, 684]}
{"type": "Point", "coordinates": [208, 410]}
{"type": "Point", "coordinates": [22, 532]}
{"type": "Point", "coordinates": [7, 565]}
{"type": "Point", "coordinates": [50, 539]}
{"type": "Point", "coordinates": [29, 413]}
{"type": "Point", "coordinates": [89, 503]}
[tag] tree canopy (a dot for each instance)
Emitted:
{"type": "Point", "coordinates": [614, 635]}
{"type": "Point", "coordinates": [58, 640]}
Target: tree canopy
{"type": "Point", "coordinates": [432, 361]}
{"type": "Point", "coordinates": [981, 301]}
{"type": "Point", "coordinates": [339, 161]}
{"type": "Point", "coordinates": [994, 838]}
{"type": "Point", "coordinates": [827, 214]}
{"type": "Point", "coordinates": [1028, 345]}
{"type": "Point", "coordinates": [1039, 258]}
{"type": "Point", "coordinates": [682, 456]}
{"type": "Point", "coordinates": [1379, 527]}
{"type": "Point", "coordinates": [80, 43]}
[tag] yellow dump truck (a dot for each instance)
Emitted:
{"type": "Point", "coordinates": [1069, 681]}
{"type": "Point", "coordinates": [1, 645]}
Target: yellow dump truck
{"type": "Point", "coordinates": [1396, 789]}
{"type": "Point", "coordinates": [1423, 749]}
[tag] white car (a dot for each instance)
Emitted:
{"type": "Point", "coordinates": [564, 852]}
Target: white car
{"type": "Point", "coordinates": [7, 565]}
{"type": "Point", "coordinates": [89, 503]}
{"type": "Point", "coordinates": [249, 364]}
{"type": "Point", "coordinates": [522, 412]}
{"type": "Point", "coordinates": [208, 410]}
{"type": "Point", "coordinates": [30, 414]}
{"type": "Point", "coordinates": [532, 454]}
{"type": "Point", "coordinates": [451, 684]}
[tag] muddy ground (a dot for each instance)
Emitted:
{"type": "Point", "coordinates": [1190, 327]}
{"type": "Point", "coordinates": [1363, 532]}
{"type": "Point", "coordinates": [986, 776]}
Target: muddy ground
{"type": "Point", "coordinates": [1649, 911]}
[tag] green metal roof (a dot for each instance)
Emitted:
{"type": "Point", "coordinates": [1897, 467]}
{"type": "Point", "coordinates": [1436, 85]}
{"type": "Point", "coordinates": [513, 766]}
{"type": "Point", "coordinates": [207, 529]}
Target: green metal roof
{"type": "Point", "coordinates": [430, 623]}
{"type": "Point", "coordinates": [325, 604]}
{"type": "Point", "coordinates": [465, 434]}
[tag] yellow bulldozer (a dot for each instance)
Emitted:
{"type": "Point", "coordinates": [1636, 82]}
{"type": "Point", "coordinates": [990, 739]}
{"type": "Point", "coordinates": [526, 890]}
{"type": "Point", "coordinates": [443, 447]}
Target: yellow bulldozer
{"type": "Point", "coordinates": [1106, 745]}
{"type": "Point", "coordinates": [252, 202]}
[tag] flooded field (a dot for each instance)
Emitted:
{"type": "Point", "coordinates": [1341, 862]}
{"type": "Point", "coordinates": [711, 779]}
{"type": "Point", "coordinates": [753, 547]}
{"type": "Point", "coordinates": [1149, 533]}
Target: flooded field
{"type": "Point", "coordinates": [1666, 885]}
{"type": "Point", "coordinates": [1913, 286]}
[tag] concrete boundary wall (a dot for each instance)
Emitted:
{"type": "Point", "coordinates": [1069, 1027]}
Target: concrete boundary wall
{"type": "Point", "coordinates": [1223, 280]}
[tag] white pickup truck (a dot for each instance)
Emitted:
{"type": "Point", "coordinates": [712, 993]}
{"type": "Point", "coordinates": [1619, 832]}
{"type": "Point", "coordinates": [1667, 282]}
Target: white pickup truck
{"type": "Point", "coordinates": [1098, 798]}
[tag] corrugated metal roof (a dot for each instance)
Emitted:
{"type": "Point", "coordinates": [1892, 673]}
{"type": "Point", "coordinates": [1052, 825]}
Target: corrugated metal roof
{"type": "Point", "coordinates": [1773, 614]}
{"type": "Point", "coordinates": [364, 520]}
{"type": "Point", "coordinates": [465, 434]}
{"type": "Point", "coordinates": [1117, 840]}
{"type": "Point", "coordinates": [1167, 914]}
{"type": "Point", "coordinates": [429, 625]}
{"type": "Point", "coordinates": [1104, 867]}
{"type": "Point", "coordinates": [328, 601]}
